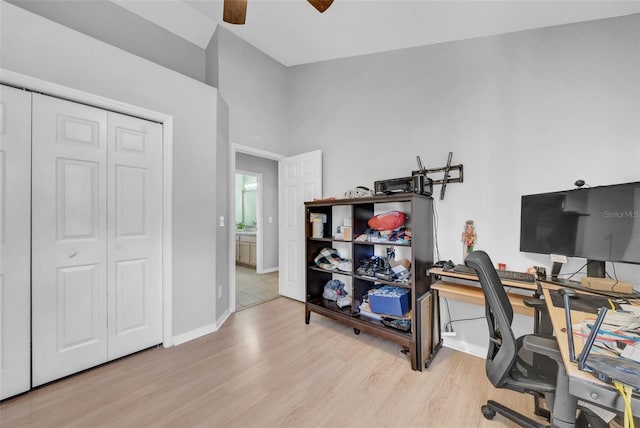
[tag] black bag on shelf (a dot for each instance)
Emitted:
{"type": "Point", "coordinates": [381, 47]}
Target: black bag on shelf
{"type": "Point", "coordinates": [403, 325]}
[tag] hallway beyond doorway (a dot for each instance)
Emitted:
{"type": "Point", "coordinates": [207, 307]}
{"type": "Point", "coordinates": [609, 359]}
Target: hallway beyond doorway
{"type": "Point", "coordinates": [253, 289]}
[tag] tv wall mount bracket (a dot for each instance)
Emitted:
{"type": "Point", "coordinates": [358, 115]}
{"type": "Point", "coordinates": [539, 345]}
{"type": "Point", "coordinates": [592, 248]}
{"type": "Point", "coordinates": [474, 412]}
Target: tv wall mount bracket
{"type": "Point", "coordinates": [445, 170]}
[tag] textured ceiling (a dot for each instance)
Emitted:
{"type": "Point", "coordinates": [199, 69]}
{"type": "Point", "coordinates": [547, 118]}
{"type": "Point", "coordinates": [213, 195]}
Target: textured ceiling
{"type": "Point", "coordinates": [293, 32]}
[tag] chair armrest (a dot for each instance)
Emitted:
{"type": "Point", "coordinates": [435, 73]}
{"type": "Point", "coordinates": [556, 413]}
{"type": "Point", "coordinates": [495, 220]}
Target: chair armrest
{"type": "Point", "coordinates": [535, 303]}
{"type": "Point", "coordinates": [542, 324]}
{"type": "Point", "coordinates": [542, 345]}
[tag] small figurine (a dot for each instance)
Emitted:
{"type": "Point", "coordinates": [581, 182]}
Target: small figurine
{"type": "Point", "coordinates": [469, 237]}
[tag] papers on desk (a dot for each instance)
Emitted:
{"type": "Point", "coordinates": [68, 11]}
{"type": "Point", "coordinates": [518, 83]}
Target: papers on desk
{"type": "Point", "coordinates": [634, 309]}
{"type": "Point", "coordinates": [632, 352]}
{"type": "Point", "coordinates": [619, 329]}
{"type": "Point", "coordinates": [627, 321]}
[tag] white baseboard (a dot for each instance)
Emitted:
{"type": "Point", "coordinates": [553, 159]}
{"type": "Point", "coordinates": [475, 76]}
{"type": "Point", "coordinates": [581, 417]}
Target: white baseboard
{"type": "Point", "coordinates": [459, 345]}
{"type": "Point", "coordinates": [194, 334]}
{"type": "Point", "coordinates": [202, 331]}
{"type": "Point", "coordinates": [269, 270]}
{"type": "Point", "coordinates": [225, 315]}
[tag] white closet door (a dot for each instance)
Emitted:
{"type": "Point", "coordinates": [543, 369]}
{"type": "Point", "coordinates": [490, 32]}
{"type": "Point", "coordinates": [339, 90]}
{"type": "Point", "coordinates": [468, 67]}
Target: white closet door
{"type": "Point", "coordinates": [15, 203]}
{"type": "Point", "coordinates": [69, 260]}
{"type": "Point", "coordinates": [134, 234]}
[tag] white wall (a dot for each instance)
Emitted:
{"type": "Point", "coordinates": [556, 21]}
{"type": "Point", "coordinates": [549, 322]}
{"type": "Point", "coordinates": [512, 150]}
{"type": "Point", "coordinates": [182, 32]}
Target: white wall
{"type": "Point", "coordinates": [525, 112]}
{"type": "Point", "coordinates": [134, 34]}
{"type": "Point", "coordinates": [40, 48]}
{"type": "Point", "coordinates": [254, 86]}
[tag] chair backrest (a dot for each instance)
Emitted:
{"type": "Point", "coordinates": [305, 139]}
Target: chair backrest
{"type": "Point", "coordinates": [503, 348]}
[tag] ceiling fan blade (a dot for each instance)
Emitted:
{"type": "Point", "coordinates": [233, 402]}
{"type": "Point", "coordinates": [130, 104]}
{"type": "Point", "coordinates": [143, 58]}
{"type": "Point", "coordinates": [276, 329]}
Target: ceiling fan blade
{"type": "Point", "coordinates": [234, 11]}
{"type": "Point", "coordinates": [321, 5]}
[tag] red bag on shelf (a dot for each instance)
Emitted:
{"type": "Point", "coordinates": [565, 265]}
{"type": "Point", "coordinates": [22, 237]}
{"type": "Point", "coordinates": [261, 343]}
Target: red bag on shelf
{"type": "Point", "coordinates": [387, 221]}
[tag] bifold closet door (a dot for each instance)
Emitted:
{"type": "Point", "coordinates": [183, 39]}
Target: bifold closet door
{"type": "Point", "coordinates": [15, 203]}
{"type": "Point", "coordinates": [134, 234]}
{"type": "Point", "coordinates": [97, 236]}
{"type": "Point", "coordinates": [69, 235]}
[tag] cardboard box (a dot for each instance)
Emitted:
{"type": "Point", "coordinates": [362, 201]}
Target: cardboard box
{"type": "Point", "coordinates": [390, 300]}
{"type": "Point", "coordinates": [346, 230]}
{"type": "Point", "coordinates": [607, 284]}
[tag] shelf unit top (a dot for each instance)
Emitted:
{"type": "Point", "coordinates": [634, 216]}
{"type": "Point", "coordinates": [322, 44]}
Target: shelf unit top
{"type": "Point", "coordinates": [396, 197]}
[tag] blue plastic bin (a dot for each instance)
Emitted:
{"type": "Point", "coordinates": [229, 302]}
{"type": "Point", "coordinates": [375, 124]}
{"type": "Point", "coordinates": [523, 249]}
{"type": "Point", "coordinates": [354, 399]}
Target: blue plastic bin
{"type": "Point", "coordinates": [390, 300]}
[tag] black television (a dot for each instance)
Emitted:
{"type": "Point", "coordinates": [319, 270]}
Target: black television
{"type": "Point", "coordinates": [599, 224]}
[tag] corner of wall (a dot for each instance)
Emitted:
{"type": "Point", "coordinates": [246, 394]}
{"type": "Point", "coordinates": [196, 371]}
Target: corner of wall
{"type": "Point", "coordinates": [211, 63]}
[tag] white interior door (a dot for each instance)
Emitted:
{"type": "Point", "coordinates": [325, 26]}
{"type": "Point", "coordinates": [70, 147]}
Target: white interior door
{"type": "Point", "coordinates": [69, 270]}
{"type": "Point", "coordinates": [15, 212]}
{"type": "Point", "coordinates": [300, 180]}
{"type": "Point", "coordinates": [134, 234]}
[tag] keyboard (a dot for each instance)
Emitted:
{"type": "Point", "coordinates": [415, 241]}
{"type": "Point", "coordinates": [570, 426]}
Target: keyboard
{"type": "Point", "coordinates": [502, 274]}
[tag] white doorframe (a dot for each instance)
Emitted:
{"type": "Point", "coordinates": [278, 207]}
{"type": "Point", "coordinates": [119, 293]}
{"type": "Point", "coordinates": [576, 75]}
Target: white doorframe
{"type": "Point", "coordinates": [238, 148]}
{"type": "Point", "coordinates": [31, 83]}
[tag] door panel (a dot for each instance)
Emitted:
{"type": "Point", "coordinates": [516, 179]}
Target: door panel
{"type": "Point", "coordinates": [130, 201]}
{"type": "Point", "coordinates": [15, 209]}
{"type": "Point", "coordinates": [135, 234]}
{"type": "Point", "coordinates": [132, 288]}
{"type": "Point", "coordinates": [69, 238]}
{"type": "Point", "coordinates": [77, 199]}
{"type": "Point", "coordinates": [300, 181]}
{"type": "Point", "coordinates": [78, 316]}
{"type": "Point", "coordinates": [78, 131]}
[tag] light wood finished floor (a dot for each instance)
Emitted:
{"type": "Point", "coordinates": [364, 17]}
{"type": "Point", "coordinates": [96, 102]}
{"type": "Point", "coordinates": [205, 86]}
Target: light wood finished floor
{"type": "Point", "coordinates": [253, 288]}
{"type": "Point", "coordinates": [266, 368]}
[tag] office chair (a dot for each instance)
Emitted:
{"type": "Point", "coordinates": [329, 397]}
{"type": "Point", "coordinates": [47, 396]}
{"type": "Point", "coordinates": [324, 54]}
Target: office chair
{"type": "Point", "coordinates": [510, 362]}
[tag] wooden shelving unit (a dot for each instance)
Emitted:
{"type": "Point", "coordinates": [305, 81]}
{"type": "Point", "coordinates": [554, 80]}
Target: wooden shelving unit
{"type": "Point", "coordinates": [419, 252]}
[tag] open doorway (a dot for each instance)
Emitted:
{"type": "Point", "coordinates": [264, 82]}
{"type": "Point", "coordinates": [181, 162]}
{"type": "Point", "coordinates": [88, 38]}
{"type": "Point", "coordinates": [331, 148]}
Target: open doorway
{"type": "Point", "coordinates": [256, 229]}
{"type": "Point", "coordinates": [299, 180]}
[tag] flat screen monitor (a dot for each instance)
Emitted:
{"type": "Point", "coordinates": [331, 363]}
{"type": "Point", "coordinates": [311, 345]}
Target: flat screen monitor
{"type": "Point", "coordinates": [597, 223]}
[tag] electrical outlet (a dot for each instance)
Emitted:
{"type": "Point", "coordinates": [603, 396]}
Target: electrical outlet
{"type": "Point", "coordinates": [220, 291]}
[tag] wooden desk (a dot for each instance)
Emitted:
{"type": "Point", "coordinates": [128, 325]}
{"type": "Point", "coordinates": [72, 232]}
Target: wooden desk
{"type": "Point", "coordinates": [473, 293]}
{"type": "Point", "coordinates": [582, 385]}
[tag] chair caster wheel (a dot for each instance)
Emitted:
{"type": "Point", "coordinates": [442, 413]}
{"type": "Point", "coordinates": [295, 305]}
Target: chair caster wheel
{"type": "Point", "coordinates": [487, 412]}
{"type": "Point", "coordinates": [356, 331]}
